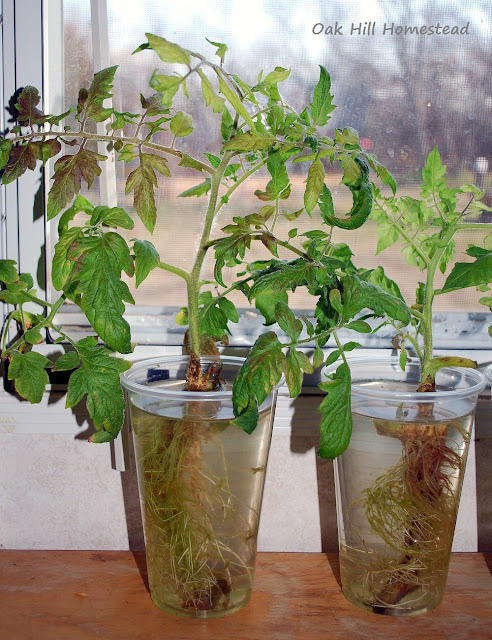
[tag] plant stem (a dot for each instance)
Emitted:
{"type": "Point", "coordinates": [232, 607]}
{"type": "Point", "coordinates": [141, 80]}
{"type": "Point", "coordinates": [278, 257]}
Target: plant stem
{"type": "Point", "coordinates": [172, 269]}
{"type": "Point", "coordinates": [426, 320]}
{"type": "Point", "coordinates": [44, 324]}
{"type": "Point", "coordinates": [193, 279]}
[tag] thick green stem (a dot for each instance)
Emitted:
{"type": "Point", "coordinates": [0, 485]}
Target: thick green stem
{"type": "Point", "coordinates": [194, 279]}
{"type": "Point", "coordinates": [426, 321]}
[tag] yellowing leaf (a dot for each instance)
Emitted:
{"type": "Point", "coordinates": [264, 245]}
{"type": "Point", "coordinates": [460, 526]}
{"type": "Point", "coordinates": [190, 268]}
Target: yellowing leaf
{"type": "Point", "coordinates": [28, 371]}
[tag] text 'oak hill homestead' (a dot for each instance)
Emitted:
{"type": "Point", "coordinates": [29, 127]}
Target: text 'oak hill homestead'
{"type": "Point", "coordinates": [389, 29]}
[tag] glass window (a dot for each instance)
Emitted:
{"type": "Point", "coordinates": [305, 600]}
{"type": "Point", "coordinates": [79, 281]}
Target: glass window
{"type": "Point", "coordinates": [407, 77]}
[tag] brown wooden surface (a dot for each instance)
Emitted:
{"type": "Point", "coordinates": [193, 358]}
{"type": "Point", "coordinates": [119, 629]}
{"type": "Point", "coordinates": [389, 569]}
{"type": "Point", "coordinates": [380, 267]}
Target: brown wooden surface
{"type": "Point", "coordinates": [82, 594]}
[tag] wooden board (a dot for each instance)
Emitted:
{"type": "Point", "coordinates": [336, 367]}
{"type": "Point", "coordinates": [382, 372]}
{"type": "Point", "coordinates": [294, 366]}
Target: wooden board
{"type": "Point", "coordinates": [82, 594]}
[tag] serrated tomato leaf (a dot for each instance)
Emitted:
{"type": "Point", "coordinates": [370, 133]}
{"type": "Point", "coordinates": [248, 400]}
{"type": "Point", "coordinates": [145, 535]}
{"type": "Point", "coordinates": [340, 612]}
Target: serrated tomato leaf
{"type": "Point", "coordinates": [98, 378]}
{"type": "Point", "coordinates": [90, 103]}
{"type": "Point", "coordinates": [22, 157]}
{"type": "Point", "coordinates": [29, 372]}
{"type": "Point", "coordinates": [67, 179]}
{"type": "Point", "coordinates": [321, 105]}
{"type": "Point", "coordinates": [96, 285]}
{"type": "Point", "coordinates": [8, 271]}
{"type": "Point", "coordinates": [359, 295]}
{"type": "Point", "coordinates": [470, 274]}
{"type": "Point", "coordinates": [336, 414]}
{"type": "Point", "coordinates": [142, 181]}
{"type": "Point", "coordinates": [146, 259]}
{"type": "Point", "coordinates": [26, 105]}
{"type": "Point", "coordinates": [260, 373]}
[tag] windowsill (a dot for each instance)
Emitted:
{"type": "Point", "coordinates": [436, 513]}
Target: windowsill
{"type": "Point", "coordinates": [85, 594]}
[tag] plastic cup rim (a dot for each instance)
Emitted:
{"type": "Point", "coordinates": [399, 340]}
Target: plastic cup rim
{"type": "Point", "coordinates": [474, 389]}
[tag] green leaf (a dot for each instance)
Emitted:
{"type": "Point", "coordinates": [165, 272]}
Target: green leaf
{"type": "Point", "coordinates": [98, 378]}
{"type": "Point", "coordinates": [5, 149]}
{"type": "Point", "coordinates": [68, 361]}
{"type": "Point", "coordinates": [48, 149]}
{"type": "Point", "coordinates": [266, 302]}
{"type": "Point", "coordinates": [212, 99]}
{"type": "Point", "coordinates": [347, 137]}
{"type": "Point", "coordinates": [336, 414]}
{"type": "Point", "coordinates": [279, 74]}
{"type": "Point", "coordinates": [433, 174]}
{"type": "Point", "coordinates": [212, 317]}
{"type": "Point", "coordinates": [191, 163]}
{"type": "Point", "coordinates": [26, 318]}
{"type": "Point", "coordinates": [232, 248]}
{"type": "Point", "coordinates": [28, 371]}
{"type": "Point", "coordinates": [379, 278]}
{"type": "Point", "coordinates": [335, 298]}
{"type": "Point", "coordinates": [181, 124]}
{"type": "Point", "coordinates": [146, 259]}
{"type": "Point", "coordinates": [260, 373]}
{"type": "Point", "coordinates": [318, 357]}
{"type": "Point", "coordinates": [381, 171]}
{"type": "Point", "coordinates": [470, 274]}
{"type": "Point", "coordinates": [97, 286]}
{"type": "Point", "coordinates": [26, 105]}
{"type": "Point", "coordinates": [142, 181]}
{"type": "Point", "coordinates": [69, 172]}
{"type": "Point", "coordinates": [359, 325]}
{"type": "Point", "coordinates": [359, 295]}
{"type": "Point", "coordinates": [22, 157]}
{"type": "Point", "coordinates": [287, 321]}
{"type": "Point", "coordinates": [168, 51]}
{"type": "Point", "coordinates": [314, 185]}
{"type": "Point", "coordinates": [221, 51]}
{"type": "Point", "coordinates": [167, 87]}
{"type": "Point", "coordinates": [286, 276]}
{"type": "Point", "coordinates": [235, 101]}
{"type": "Point", "coordinates": [229, 309]}
{"type": "Point", "coordinates": [293, 373]}
{"type": "Point", "coordinates": [34, 336]}
{"type": "Point", "coordinates": [63, 266]}
{"type": "Point", "coordinates": [250, 141]}
{"type": "Point", "coordinates": [351, 170]}
{"type": "Point", "coordinates": [90, 102]}
{"type": "Point", "coordinates": [333, 357]}
{"type": "Point", "coordinates": [198, 190]}
{"type": "Point", "coordinates": [226, 124]}
{"type": "Point", "coordinates": [8, 271]}
{"type": "Point", "coordinates": [114, 217]}
{"type": "Point", "coordinates": [322, 106]}
{"type": "Point", "coordinates": [403, 358]}
{"type": "Point", "coordinates": [278, 171]}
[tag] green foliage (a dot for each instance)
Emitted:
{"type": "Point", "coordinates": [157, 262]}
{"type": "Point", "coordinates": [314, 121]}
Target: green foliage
{"type": "Point", "coordinates": [98, 379]}
{"type": "Point", "coordinates": [336, 413]}
{"type": "Point", "coordinates": [258, 130]}
{"type": "Point", "coordinates": [142, 181]}
{"type": "Point", "coordinates": [67, 179]}
{"type": "Point", "coordinates": [260, 373]}
{"type": "Point", "coordinates": [94, 283]}
{"type": "Point", "coordinates": [146, 259]}
{"type": "Point", "coordinates": [90, 103]}
{"type": "Point", "coordinates": [470, 274]}
{"type": "Point", "coordinates": [28, 113]}
{"type": "Point", "coordinates": [28, 370]}
{"type": "Point", "coordinates": [321, 105]}
{"type": "Point", "coordinates": [8, 271]}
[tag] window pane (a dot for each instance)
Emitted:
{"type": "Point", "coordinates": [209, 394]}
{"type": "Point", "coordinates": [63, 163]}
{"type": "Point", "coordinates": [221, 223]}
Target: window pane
{"type": "Point", "coordinates": [404, 92]}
